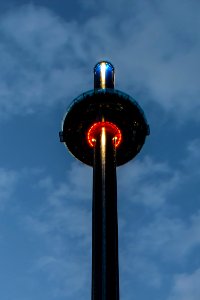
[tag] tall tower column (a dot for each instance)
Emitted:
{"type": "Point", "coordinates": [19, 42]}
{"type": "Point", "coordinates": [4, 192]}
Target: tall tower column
{"type": "Point", "coordinates": [104, 128]}
{"type": "Point", "coordinates": [105, 270]}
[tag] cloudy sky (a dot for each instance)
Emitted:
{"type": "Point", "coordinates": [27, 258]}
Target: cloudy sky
{"type": "Point", "coordinates": [48, 49]}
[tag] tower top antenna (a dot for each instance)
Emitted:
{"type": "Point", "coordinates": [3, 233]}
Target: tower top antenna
{"type": "Point", "coordinates": [104, 75]}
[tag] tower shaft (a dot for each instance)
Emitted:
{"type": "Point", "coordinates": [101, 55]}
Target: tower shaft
{"type": "Point", "coordinates": [105, 266]}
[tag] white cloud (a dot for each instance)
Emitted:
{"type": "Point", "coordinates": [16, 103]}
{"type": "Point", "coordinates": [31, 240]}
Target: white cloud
{"type": "Point", "coordinates": [139, 269]}
{"type": "Point", "coordinates": [157, 48]}
{"type": "Point", "coordinates": [77, 185]}
{"type": "Point", "coordinates": [8, 180]}
{"type": "Point", "coordinates": [156, 181]}
{"type": "Point", "coordinates": [152, 254]}
{"type": "Point", "coordinates": [166, 238]}
{"type": "Point", "coordinates": [186, 286]}
{"type": "Point", "coordinates": [69, 276]}
{"type": "Point", "coordinates": [39, 56]}
{"type": "Point", "coordinates": [193, 159]}
{"type": "Point", "coordinates": [153, 183]}
{"type": "Point", "coordinates": [63, 222]}
{"type": "Point", "coordinates": [62, 207]}
{"type": "Point", "coordinates": [44, 58]}
{"type": "Point", "coordinates": [162, 239]}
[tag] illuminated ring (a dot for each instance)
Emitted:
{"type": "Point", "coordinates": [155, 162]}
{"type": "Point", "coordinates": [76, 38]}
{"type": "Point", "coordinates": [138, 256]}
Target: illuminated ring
{"type": "Point", "coordinates": [111, 128]}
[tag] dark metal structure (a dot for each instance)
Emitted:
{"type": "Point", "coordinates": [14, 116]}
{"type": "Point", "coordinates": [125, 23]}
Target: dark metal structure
{"type": "Point", "coordinates": [104, 128]}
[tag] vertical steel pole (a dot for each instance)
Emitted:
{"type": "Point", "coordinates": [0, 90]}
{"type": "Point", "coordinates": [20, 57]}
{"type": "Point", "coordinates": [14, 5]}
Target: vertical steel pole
{"type": "Point", "coordinates": [105, 266]}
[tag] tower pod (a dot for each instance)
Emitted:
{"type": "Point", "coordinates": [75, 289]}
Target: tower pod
{"type": "Point", "coordinates": [108, 105]}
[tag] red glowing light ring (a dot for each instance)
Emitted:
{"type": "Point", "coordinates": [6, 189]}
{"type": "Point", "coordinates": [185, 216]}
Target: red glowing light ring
{"type": "Point", "coordinates": [110, 127]}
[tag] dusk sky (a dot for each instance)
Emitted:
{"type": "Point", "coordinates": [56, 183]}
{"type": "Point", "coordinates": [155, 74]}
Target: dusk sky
{"type": "Point", "coordinates": [48, 49]}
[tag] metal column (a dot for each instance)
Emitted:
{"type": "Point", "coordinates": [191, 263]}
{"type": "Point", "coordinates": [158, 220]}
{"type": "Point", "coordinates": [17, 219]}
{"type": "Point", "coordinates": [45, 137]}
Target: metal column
{"type": "Point", "coordinates": [105, 266]}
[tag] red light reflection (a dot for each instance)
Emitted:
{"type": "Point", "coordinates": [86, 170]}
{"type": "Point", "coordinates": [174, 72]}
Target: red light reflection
{"type": "Point", "coordinates": [111, 128]}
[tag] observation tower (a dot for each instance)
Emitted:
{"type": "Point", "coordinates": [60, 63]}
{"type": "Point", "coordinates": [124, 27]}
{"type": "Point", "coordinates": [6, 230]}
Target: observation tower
{"type": "Point", "coordinates": [104, 128]}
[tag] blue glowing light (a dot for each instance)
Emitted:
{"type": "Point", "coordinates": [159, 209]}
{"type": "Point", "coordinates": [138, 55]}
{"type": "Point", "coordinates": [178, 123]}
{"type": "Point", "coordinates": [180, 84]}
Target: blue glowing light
{"type": "Point", "coordinates": [103, 75]}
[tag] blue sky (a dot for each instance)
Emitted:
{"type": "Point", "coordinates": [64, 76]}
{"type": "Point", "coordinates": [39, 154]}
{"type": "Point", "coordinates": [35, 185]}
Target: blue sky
{"type": "Point", "coordinates": [47, 53]}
